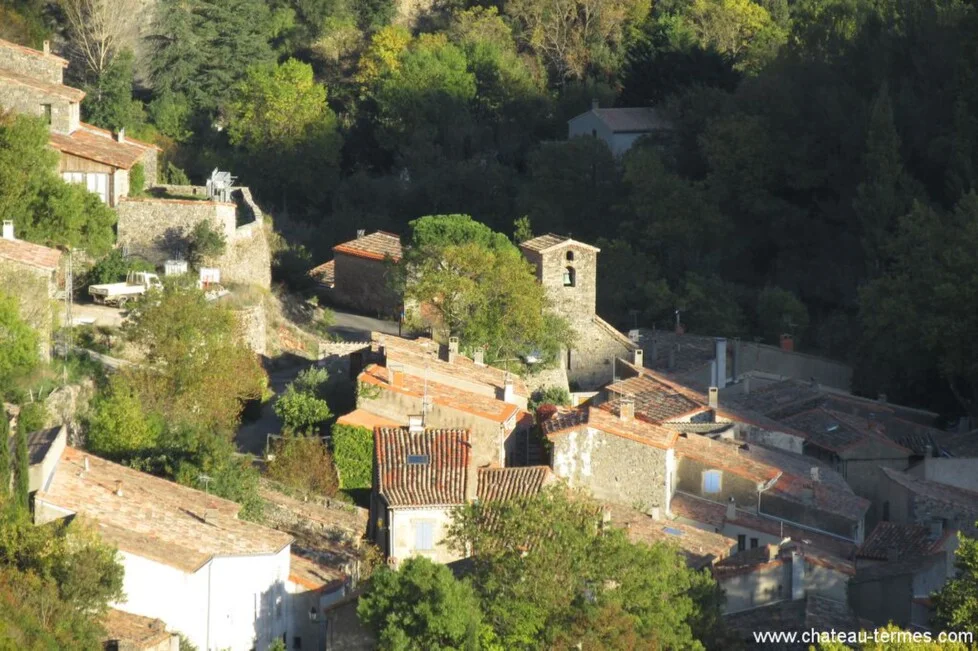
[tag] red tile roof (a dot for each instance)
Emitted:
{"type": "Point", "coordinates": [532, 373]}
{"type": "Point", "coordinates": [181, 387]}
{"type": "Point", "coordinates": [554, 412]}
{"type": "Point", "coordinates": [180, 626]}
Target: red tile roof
{"type": "Point", "coordinates": [748, 561]}
{"type": "Point", "coordinates": [704, 511]}
{"type": "Point", "coordinates": [701, 548]}
{"type": "Point", "coordinates": [363, 418]}
{"type": "Point", "coordinates": [441, 394]}
{"type": "Point", "coordinates": [155, 518]}
{"type": "Point", "coordinates": [655, 401]}
{"type": "Point", "coordinates": [376, 246]}
{"type": "Point", "coordinates": [66, 93]}
{"type": "Point", "coordinates": [544, 243]}
{"type": "Point", "coordinates": [28, 253]}
{"type": "Point", "coordinates": [439, 481]}
{"type": "Point", "coordinates": [602, 419]}
{"type": "Point", "coordinates": [8, 45]}
{"type": "Point", "coordinates": [496, 484]}
{"type": "Point", "coordinates": [904, 539]}
{"type": "Point", "coordinates": [837, 431]}
{"type": "Point", "coordinates": [325, 273]}
{"type": "Point", "coordinates": [730, 457]}
{"type": "Point", "coordinates": [311, 575]}
{"type": "Point", "coordinates": [99, 145]}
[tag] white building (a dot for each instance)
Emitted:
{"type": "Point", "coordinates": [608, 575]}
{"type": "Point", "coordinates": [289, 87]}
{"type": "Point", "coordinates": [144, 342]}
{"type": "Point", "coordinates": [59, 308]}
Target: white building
{"type": "Point", "coordinates": [618, 127]}
{"type": "Point", "coordinates": [188, 559]}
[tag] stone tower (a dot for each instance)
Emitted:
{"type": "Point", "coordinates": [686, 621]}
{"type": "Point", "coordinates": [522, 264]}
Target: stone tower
{"type": "Point", "coordinates": [568, 270]}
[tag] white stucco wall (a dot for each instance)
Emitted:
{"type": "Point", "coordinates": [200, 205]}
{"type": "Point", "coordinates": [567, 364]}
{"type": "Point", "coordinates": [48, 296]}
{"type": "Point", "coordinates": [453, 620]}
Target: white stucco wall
{"type": "Point", "coordinates": [588, 125]}
{"type": "Point", "coordinates": [402, 534]}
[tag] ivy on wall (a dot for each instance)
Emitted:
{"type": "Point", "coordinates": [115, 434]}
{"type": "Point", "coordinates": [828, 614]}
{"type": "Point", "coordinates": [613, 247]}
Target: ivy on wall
{"type": "Point", "coordinates": [353, 454]}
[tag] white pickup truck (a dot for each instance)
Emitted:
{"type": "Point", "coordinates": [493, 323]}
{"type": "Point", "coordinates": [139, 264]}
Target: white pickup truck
{"type": "Point", "coordinates": [137, 282]}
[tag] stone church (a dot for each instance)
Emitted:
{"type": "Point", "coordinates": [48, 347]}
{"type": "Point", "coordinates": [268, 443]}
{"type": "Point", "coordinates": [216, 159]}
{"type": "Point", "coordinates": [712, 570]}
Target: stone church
{"type": "Point", "coordinates": [568, 271]}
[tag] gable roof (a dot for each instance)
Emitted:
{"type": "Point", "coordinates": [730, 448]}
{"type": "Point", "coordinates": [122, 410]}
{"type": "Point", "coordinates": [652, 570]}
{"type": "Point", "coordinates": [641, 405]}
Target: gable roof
{"type": "Point", "coordinates": [782, 399]}
{"type": "Point", "coordinates": [904, 539]}
{"type": "Point", "coordinates": [61, 91]}
{"type": "Point", "coordinates": [496, 484]}
{"type": "Point", "coordinates": [838, 431]}
{"type": "Point", "coordinates": [34, 255]}
{"type": "Point", "coordinates": [602, 419]}
{"type": "Point", "coordinates": [550, 241]}
{"type": "Point", "coordinates": [440, 394]}
{"type": "Point", "coordinates": [155, 518]}
{"type": "Point", "coordinates": [324, 274]}
{"type": "Point", "coordinates": [376, 246]}
{"type": "Point", "coordinates": [38, 443]}
{"type": "Point", "coordinates": [134, 631]}
{"type": "Point", "coordinates": [438, 482]}
{"type": "Point", "coordinates": [701, 548]}
{"type": "Point", "coordinates": [23, 49]}
{"type": "Point", "coordinates": [934, 490]}
{"type": "Point", "coordinates": [99, 145]}
{"type": "Point", "coordinates": [630, 120]}
{"type": "Point", "coordinates": [655, 401]}
{"type": "Point", "coordinates": [747, 561]}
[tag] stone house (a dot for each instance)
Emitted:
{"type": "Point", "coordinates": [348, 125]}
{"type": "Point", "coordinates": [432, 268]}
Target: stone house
{"type": "Point", "coordinates": [898, 568]}
{"type": "Point", "coordinates": [127, 632]}
{"type": "Point", "coordinates": [814, 613]}
{"type": "Point", "coordinates": [32, 83]}
{"type": "Point", "coordinates": [32, 273]}
{"type": "Point", "coordinates": [567, 269]}
{"type": "Point", "coordinates": [44, 448]}
{"type": "Point", "coordinates": [359, 275]}
{"type": "Point", "coordinates": [420, 475]}
{"type": "Point", "coordinates": [498, 428]}
{"type": "Point", "coordinates": [188, 560]}
{"type": "Point", "coordinates": [619, 128]}
{"type": "Point", "coordinates": [772, 573]}
{"type": "Point", "coordinates": [909, 499]}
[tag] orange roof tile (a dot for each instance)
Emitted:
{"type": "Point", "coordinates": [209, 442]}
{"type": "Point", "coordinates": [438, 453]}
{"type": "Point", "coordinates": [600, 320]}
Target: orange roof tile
{"type": "Point", "coordinates": [496, 484]}
{"type": "Point", "coordinates": [655, 401]}
{"type": "Point", "coordinates": [140, 632]}
{"type": "Point", "coordinates": [98, 145]}
{"type": "Point", "coordinates": [701, 548]}
{"type": "Point", "coordinates": [543, 243]}
{"type": "Point", "coordinates": [311, 575]}
{"type": "Point", "coordinates": [363, 418]}
{"type": "Point", "coordinates": [602, 419]}
{"type": "Point", "coordinates": [324, 273]}
{"type": "Point", "coordinates": [376, 246]}
{"type": "Point", "coordinates": [29, 253]}
{"type": "Point", "coordinates": [66, 93]}
{"type": "Point", "coordinates": [155, 518]}
{"type": "Point", "coordinates": [435, 477]}
{"type": "Point", "coordinates": [441, 394]}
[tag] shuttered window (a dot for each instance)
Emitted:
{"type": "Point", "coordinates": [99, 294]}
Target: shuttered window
{"type": "Point", "coordinates": [424, 535]}
{"type": "Point", "coordinates": [712, 481]}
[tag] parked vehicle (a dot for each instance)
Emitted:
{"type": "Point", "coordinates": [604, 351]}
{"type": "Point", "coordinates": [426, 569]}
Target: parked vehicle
{"type": "Point", "coordinates": [118, 294]}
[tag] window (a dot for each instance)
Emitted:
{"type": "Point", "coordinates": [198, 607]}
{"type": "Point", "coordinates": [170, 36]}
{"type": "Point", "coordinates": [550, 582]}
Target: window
{"type": "Point", "coordinates": [418, 459]}
{"type": "Point", "coordinates": [753, 543]}
{"type": "Point", "coordinates": [46, 111]}
{"type": "Point", "coordinates": [741, 542]}
{"type": "Point", "coordinates": [569, 277]}
{"type": "Point", "coordinates": [712, 481]}
{"type": "Point", "coordinates": [99, 184]}
{"type": "Point", "coordinates": [570, 256]}
{"type": "Point", "coordinates": [424, 535]}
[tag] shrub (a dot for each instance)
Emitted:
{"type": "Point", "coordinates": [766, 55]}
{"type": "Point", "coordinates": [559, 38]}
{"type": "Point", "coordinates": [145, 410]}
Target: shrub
{"type": "Point", "coordinates": [33, 416]}
{"type": "Point", "coordinates": [137, 180]}
{"type": "Point", "coordinates": [551, 395]}
{"type": "Point", "coordinates": [205, 242]}
{"type": "Point", "coordinates": [353, 451]}
{"type": "Point", "coordinates": [114, 266]}
{"type": "Point", "coordinates": [304, 463]}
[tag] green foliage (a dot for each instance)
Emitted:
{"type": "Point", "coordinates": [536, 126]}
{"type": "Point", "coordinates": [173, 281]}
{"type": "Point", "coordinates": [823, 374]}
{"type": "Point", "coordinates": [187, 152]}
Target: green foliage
{"type": "Point", "coordinates": [137, 180]}
{"type": "Point", "coordinates": [551, 395]}
{"type": "Point", "coordinates": [304, 464]}
{"type": "Point", "coordinates": [353, 452]}
{"type": "Point", "coordinates": [118, 427]}
{"type": "Point", "coordinates": [545, 561]}
{"type": "Point", "coordinates": [114, 266]}
{"type": "Point", "coordinates": [779, 311]}
{"type": "Point", "coordinates": [420, 606]}
{"type": "Point", "coordinates": [277, 645]}
{"type": "Point", "coordinates": [18, 343]}
{"type": "Point", "coordinates": [436, 232]}
{"type": "Point", "coordinates": [108, 101]}
{"type": "Point", "coordinates": [33, 416]}
{"type": "Point", "coordinates": [6, 468]}
{"type": "Point", "coordinates": [956, 603]}
{"type": "Point", "coordinates": [204, 243]}
{"type": "Point", "coordinates": [301, 407]}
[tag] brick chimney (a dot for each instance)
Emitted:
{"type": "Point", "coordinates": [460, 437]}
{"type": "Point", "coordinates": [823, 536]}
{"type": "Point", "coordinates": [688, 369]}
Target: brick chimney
{"type": "Point", "coordinates": [787, 343]}
{"type": "Point", "coordinates": [8, 230]}
{"type": "Point", "coordinates": [626, 408]}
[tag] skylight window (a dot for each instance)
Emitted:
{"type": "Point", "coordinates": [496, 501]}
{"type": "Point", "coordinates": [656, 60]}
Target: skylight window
{"type": "Point", "coordinates": [672, 531]}
{"type": "Point", "coordinates": [418, 459]}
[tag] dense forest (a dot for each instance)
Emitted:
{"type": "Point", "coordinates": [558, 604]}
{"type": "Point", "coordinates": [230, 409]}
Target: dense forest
{"type": "Point", "coordinates": [819, 178]}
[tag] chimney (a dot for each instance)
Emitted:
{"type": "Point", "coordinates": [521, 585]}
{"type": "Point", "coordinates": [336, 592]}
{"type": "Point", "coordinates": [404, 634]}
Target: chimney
{"type": "Point", "coordinates": [8, 230]}
{"type": "Point", "coordinates": [797, 576]}
{"type": "Point", "coordinates": [787, 343]}
{"type": "Point", "coordinates": [816, 474]}
{"type": "Point", "coordinates": [626, 407]}
{"type": "Point", "coordinates": [881, 398]}
{"type": "Point", "coordinates": [672, 358]}
{"type": "Point", "coordinates": [452, 349]}
{"type": "Point", "coordinates": [713, 373]}
{"type": "Point", "coordinates": [120, 135]}
{"type": "Point", "coordinates": [714, 397]}
{"type": "Point", "coordinates": [720, 354]}
{"type": "Point", "coordinates": [595, 103]}
{"type": "Point", "coordinates": [46, 47]}
{"type": "Point", "coordinates": [508, 392]}
{"type": "Point", "coordinates": [361, 233]}
{"type": "Point", "coordinates": [210, 515]}
{"type": "Point", "coordinates": [746, 385]}
{"type": "Point", "coordinates": [680, 328]}
{"type": "Point", "coordinates": [118, 487]}
{"type": "Point", "coordinates": [732, 509]}
{"type": "Point", "coordinates": [638, 357]}
{"type": "Point", "coordinates": [86, 463]}
{"type": "Point", "coordinates": [655, 513]}
{"type": "Point", "coordinates": [392, 372]}
{"type": "Point", "coordinates": [416, 424]}
{"type": "Point", "coordinates": [479, 356]}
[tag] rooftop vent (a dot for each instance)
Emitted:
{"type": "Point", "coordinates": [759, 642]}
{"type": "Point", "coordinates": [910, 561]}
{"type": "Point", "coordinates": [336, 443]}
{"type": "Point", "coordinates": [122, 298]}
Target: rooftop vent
{"type": "Point", "coordinates": [418, 459]}
{"type": "Point", "coordinates": [832, 427]}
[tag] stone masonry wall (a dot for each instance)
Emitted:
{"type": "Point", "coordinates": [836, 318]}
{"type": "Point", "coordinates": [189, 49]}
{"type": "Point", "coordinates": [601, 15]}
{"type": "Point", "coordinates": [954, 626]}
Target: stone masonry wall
{"type": "Point", "coordinates": [32, 289]}
{"type": "Point", "coordinates": [611, 468]}
{"type": "Point", "coordinates": [43, 68]}
{"type": "Point", "coordinates": [592, 360]}
{"type": "Point", "coordinates": [362, 284]}
{"type": "Point", "coordinates": [30, 101]}
{"type": "Point", "coordinates": [251, 328]}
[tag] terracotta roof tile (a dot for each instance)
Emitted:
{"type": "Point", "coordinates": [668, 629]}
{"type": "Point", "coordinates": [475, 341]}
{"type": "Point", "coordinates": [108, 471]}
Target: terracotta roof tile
{"type": "Point", "coordinates": [155, 518]}
{"type": "Point", "coordinates": [904, 539]}
{"type": "Point", "coordinates": [325, 273]}
{"type": "Point", "coordinates": [603, 419]}
{"type": "Point", "coordinates": [28, 253]}
{"type": "Point", "coordinates": [701, 548]}
{"type": "Point", "coordinates": [781, 399]}
{"type": "Point", "coordinates": [66, 93]}
{"type": "Point", "coordinates": [311, 575]}
{"type": "Point", "coordinates": [706, 512]}
{"type": "Point", "coordinates": [138, 631]}
{"type": "Point", "coordinates": [99, 145]}
{"type": "Point", "coordinates": [654, 400]}
{"type": "Point", "coordinates": [747, 561]}
{"type": "Point", "coordinates": [543, 243]}
{"type": "Point", "coordinates": [496, 484]}
{"type": "Point", "coordinates": [376, 246]}
{"type": "Point", "coordinates": [438, 475]}
{"type": "Point", "coordinates": [934, 490]}
{"type": "Point", "coordinates": [8, 45]}
{"type": "Point", "coordinates": [363, 418]}
{"type": "Point", "coordinates": [441, 394]}
{"type": "Point", "coordinates": [838, 431]}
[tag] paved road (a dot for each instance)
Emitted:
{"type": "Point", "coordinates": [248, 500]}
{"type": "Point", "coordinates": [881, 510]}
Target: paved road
{"type": "Point", "coordinates": [100, 315]}
{"type": "Point", "coordinates": [354, 327]}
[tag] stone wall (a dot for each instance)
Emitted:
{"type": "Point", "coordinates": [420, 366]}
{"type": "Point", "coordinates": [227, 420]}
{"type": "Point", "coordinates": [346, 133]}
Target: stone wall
{"type": "Point", "coordinates": [251, 327]}
{"type": "Point", "coordinates": [591, 362]}
{"type": "Point", "coordinates": [612, 468]}
{"type": "Point", "coordinates": [33, 64]}
{"type": "Point", "coordinates": [29, 101]}
{"type": "Point", "coordinates": [32, 287]}
{"type": "Point", "coordinates": [363, 285]}
{"type": "Point", "coordinates": [157, 229]}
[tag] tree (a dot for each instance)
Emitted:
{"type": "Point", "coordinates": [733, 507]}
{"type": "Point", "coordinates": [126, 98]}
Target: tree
{"type": "Point", "coordinates": [18, 343]}
{"type": "Point", "coordinates": [118, 427]}
{"type": "Point", "coordinates": [109, 103]}
{"type": "Point", "coordinates": [421, 605]}
{"type": "Point", "coordinates": [779, 311]}
{"type": "Point", "coordinates": [22, 470]}
{"type": "Point", "coordinates": [302, 407]}
{"type": "Point", "coordinates": [353, 451]}
{"type": "Point", "coordinates": [101, 29]}
{"type": "Point", "coordinates": [545, 561]}
{"type": "Point", "coordinates": [551, 395]}
{"type": "Point", "coordinates": [741, 29]}
{"type": "Point", "coordinates": [5, 461]}
{"type": "Point", "coordinates": [204, 243]}
{"type": "Point", "coordinates": [304, 463]}
{"type": "Point", "coordinates": [956, 603]}
{"type": "Point", "coordinates": [114, 266]}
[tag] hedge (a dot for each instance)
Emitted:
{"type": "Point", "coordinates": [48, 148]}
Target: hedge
{"type": "Point", "coordinates": [353, 453]}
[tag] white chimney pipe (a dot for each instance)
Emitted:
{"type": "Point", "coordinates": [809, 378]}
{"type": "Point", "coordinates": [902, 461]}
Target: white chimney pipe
{"type": "Point", "coordinates": [714, 398]}
{"type": "Point", "coordinates": [638, 357]}
{"type": "Point", "coordinates": [8, 230]}
{"type": "Point", "coordinates": [508, 390]}
{"type": "Point", "coordinates": [479, 357]}
{"type": "Point", "coordinates": [415, 424]}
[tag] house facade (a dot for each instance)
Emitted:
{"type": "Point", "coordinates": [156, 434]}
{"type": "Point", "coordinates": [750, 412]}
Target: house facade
{"type": "Point", "coordinates": [31, 273]}
{"type": "Point", "coordinates": [567, 269]}
{"type": "Point", "coordinates": [619, 128]}
{"type": "Point", "coordinates": [32, 83]}
{"type": "Point", "coordinates": [359, 276]}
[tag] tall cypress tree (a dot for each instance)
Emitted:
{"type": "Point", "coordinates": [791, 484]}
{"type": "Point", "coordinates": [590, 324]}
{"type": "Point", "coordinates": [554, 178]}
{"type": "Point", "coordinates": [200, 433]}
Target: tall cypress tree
{"type": "Point", "coordinates": [4, 457]}
{"type": "Point", "coordinates": [22, 485]}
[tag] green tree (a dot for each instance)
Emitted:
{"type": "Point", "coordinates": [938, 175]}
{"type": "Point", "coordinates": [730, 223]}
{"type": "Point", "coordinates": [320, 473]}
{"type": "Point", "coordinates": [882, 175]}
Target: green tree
{"type": "Point", "coordinates": [118, 427]}
{"type": "Point", "coordinates": [18, 343]}
{"type": "Point", "coordinates": [546, 561]}
{"type": "Point", "coordinates": [33, 416]}
{"type": "Point", "coordinates": [22, 469]}
{"type": "Point", "coordinates": [421, 605]}
{"type": "Point", "coordinates": [5, 461]}
{"type": "Point", "coordinates": [956, 603]}
{"type": "Point", "coordinates": [108, 101]}
{"type": "Point", "coordinates": [114, 266]}
{"type": "Point", "coordinates": [550, 395]}
{"type": "Point", "coordinates": [353, 451]}
{"type": "Point", "coordinates": [305, 464]}
{"type": "Point", "coordinates": [204, 243]}
{"type": "Point", "coordinates": [741, 29]}
{"type": "Point", "coordinates": [302, 407]}
{"type": "Point", "coordinates": [779, 311]}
